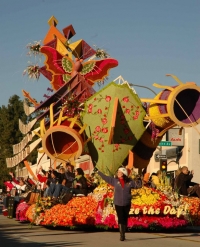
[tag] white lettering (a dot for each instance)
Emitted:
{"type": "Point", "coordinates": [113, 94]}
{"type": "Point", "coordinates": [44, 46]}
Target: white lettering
{"type": "Point", "coordinates": [137, 211]}
{"type": "Point", "coordinates": [166, 209]}
{"type": "Point", "coordinates": [151, 210]}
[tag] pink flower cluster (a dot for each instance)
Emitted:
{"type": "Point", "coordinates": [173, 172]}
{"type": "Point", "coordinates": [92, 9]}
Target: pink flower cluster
{"type": "Point", "coordinates": [142, 221]}
{"type": "Point", "coordinates": [164, 222]}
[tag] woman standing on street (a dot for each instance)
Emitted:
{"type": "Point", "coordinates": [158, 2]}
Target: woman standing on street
{"type": "Point", "coordinates": [122, 196]}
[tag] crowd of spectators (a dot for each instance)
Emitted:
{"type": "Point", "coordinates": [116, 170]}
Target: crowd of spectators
{"type": "Point", "coordinates": [52, 183]}
{"type": "Point", "coordinates": [181, 183]}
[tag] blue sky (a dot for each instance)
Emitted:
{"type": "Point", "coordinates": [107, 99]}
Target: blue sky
{"type": "Point", "coordinates": [149, 38]}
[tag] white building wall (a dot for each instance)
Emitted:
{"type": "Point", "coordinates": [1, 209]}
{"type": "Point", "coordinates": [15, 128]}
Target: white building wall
{"type": "Point", "coordinates": [193, 152]}
{"type": "Point", "coordinates": [190, 157]}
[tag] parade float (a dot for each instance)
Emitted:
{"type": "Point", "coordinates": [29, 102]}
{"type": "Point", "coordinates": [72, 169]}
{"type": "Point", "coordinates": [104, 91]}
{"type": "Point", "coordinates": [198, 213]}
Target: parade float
{"type": "Point", "coordinates": [151, 209]}
{"type": "Point", "coordinates": [113, 125]}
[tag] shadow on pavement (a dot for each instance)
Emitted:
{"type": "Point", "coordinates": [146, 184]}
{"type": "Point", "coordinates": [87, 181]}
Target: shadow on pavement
{"type": "Point", "coordinates": [7, 240]}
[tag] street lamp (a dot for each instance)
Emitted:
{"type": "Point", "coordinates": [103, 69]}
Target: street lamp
{"type": "Point", "coordinates": [135, 85]}
{"type": "Point", "coordinates": [120, 78]}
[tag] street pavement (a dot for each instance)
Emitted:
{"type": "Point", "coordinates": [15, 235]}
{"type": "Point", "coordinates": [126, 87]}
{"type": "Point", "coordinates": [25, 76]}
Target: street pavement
{"type": "Point", "coordinates": [16, 234]}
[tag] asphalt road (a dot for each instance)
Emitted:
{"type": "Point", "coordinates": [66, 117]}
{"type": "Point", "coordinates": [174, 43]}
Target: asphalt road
{"type": "Point", "coordinates": [16, 234]}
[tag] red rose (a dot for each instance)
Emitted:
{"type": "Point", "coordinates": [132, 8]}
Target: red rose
{"type": "Point", "coordinates": [137, 113]}
{"type": "Point", "coordinates": [125, 99]}
{"type": "Point", "coordinates": [90, 106]}
{"type": "Point", "coordinates": [126, 131]}
{"type": "Point", "coordinates": [89, 110]}
{"type": "Point", "coordinates": [99, 111]}
{"type": "Point", "coordinates": [116, 146]}
{"type": "Point", "coordinates": [104, 120]}
{"type": "Point", "coordinates": [127, 111]}
{"type": "Point", "coordinates": [98, 128]}
{"type": "Point", "coordinates": [104, 130]}
{"type": "Point", "coordinates": [101, 139]}
{"type": "Point", "coordinates": [108, 98]}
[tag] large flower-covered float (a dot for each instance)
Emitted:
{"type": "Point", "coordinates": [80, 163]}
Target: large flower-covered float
{"type": "Point", "coordinates": [113, 125]}
{"type": "Point", "coordinates": [152, 209]}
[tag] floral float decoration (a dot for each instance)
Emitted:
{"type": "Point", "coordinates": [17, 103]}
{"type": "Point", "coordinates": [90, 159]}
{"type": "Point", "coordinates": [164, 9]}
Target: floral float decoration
{"type": "Point", "coordinates": [120, 123]}
{"type": "Point", "coordinates": [110, 123]}
{"type": "Point", "coordinates": [32, 71]}
{"type": "Point", "coordinates": [34, 48]}
{"type": "Point", "coordinates": [114, 116]}
{"type": "Point", "coordinates": [63, 68]}
{"type": "Point", "coordinates": [78, 211]}
{"type": "Point", "coordinates": [150, 209]}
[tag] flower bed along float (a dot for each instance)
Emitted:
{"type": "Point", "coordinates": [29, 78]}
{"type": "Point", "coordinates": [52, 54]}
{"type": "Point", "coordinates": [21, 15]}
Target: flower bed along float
{"type": "Point", "coordinates": [150, 209]}
{"type": "Point", "coordinates": [78, 211]}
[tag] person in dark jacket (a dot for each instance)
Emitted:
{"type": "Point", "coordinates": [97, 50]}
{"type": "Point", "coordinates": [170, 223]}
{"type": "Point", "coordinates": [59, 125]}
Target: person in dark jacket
{"type": "Point", "coordinates": [53, 180]}
{"type": "Point", "coordinates": [80, 183]}
{"type": "Point", "coordinates": [69, 174]}
{"type": "Point", "coordinates": [183, 183]}
{"type": "Point", "coordinates": [122, 196]}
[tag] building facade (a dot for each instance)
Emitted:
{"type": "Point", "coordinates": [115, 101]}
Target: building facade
{"type": "Point", "coordinates": [190, 154]}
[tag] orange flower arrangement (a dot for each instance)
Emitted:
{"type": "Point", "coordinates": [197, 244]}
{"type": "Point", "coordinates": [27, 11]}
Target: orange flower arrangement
{"type": "Point", "coordinates": [97, 210]}
{"type": "Point", "coordinates": [78, 211]}
{"type": "Point", "coordinates": [30, 213]}
{"type": "Point", "coordinates": [193, 204]}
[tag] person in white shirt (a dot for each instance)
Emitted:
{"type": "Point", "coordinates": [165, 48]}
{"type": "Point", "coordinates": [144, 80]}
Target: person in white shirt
{"type": "Point", "coordinates": [21, 186]}
{"type": "Point", "coordinates": [18, 184]}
